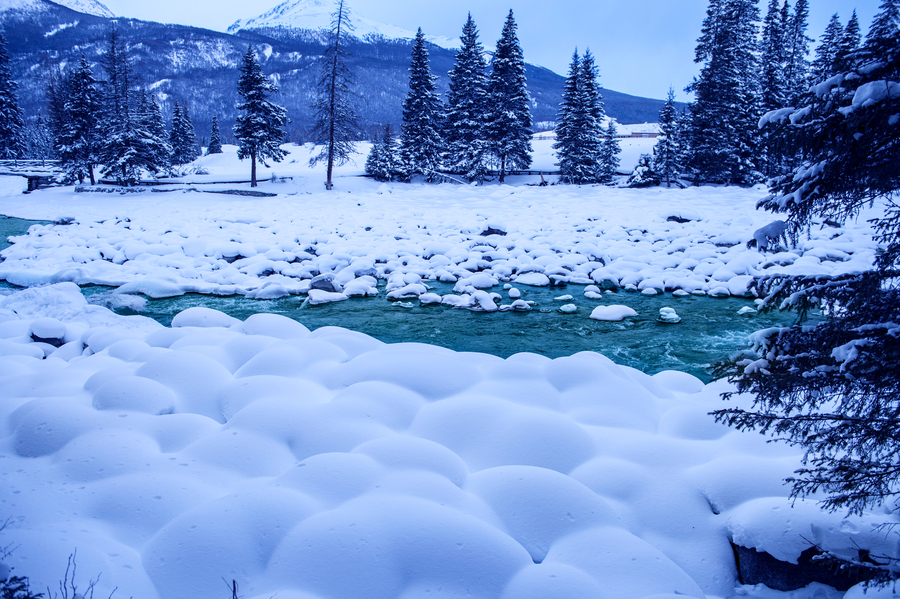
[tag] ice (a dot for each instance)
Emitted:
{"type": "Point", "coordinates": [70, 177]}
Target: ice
{"type": "Point", "coordinates": [612, 313]}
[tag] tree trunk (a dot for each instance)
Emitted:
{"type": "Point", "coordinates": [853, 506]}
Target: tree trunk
{"type": "Point", "coordinates": [253, 168]}
{"type": "Point", "coordinates": [91, 171]}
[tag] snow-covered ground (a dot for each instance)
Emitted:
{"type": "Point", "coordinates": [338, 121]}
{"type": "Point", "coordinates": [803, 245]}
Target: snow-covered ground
{"type": "Point", "coordinates": [328, 465]}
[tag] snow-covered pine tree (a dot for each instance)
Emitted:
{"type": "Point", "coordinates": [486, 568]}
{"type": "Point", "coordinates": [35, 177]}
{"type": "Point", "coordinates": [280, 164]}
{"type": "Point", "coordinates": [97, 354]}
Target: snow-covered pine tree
{"type": "Point", "coordinates": [127, 147]}
{"type": "Point", "coordinates": [78, 141]}
{"type": "Point", "coordinates": [825, 63]}
{"type": "Point", "coordinates": [12, 124]}
{"type": "Point", "coordinates": [666, 154]}
{"type": "Point", "coordinates": [260, 128]}
{"type": "Point", "coordinates": [465, 138]}
{"type": "Point", "coordinates": [579, 131]}
{"type": "Point", "coordinates": [849, 45]}
{"type": "Point", "coordinates": [383, 163]}
{"type": "Point", "coordinates": [797, 48]}
{"type": "Point", "coordinates": [509, 116]}
{"type": "Point", "coordinates": [833, 388]}
{"type": "Point", "coordinates": [644, 174]}
{"type": "Point", "coordinates": [182, 137]}
{"type": "Point", "coordinates": [609, 154]}
{"type": "Point", "coordinates": [150, 121]}
{"type": "Point", "coordinates": [38, 140]}
{"type": "Point", "coordinates": [420, 136]}
{"type": "Point", "coordinates": [336, 128]}
{"type": "Point", "coordinates": [772, 59]}
{"type": "Point", "coordinates": [215, 138]}
{"type": "Point", "coordinates": [724, 138]}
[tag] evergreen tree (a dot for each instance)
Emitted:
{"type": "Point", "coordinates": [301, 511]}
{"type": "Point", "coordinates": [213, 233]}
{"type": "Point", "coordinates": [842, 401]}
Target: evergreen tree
{"type": "Point", "coordinates": [644, 174]}
{"type": "Point", "coordinates": [150, 121]}
{"type": "Point", "coordinates": [336, 127]}
{"type": "Point", "coordinates": [579, 132]}
{"type": "Point", "coordinates": [38, 140]}
{"type": "Point", "coordinates": [666, 154]}
{"type": "Point", "coordinates": [609, 154]}
{"type": "Point", "coordinates": [849, 45]}
{"type": "Point", "coordinates": [797, 46]}
{"type": "Point", "coordinates": [78, 141]}
{"type": "Point", "coordinates": [260, 129]}
{"type": "Point", "coordinates": [509, 117]}
{"type": "Point", "coordinates": [127, 148]}
{"type": "Point", "coordinates": [12, 125]}
{"type": "Point", "coordinates": [724, 138]}
{"type": "Point", "coordinates": [215, 138]}
{"type": "Point", "coordinates": [383, 163]}
{"type": "Point", "coordinates": [465, 137]}
{"type": "Point", "coordinates": [825, 64]}
{"type": "Point", "coordinates": [420, 137]}
{"type": "Point", "coordinates": [182, 138]}
{"type": "Point", "coordinates": [773, 84]}
{"type": "Point", "coordinates": [833, 388]}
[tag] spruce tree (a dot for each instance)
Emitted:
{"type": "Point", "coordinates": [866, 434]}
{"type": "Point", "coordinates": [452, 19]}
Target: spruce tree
{"type": "Point", "coordinates": [666, 153]}
{"type": "Point", "coordinates": [128, 148]}
{"type": "Point", "coordinates": [609, 154]}
{"type": "Point", "coordinates": [420, 137]}
{"type": "Point", "coordinates": [579, 132]}
{"type": "Point", "coordinates": [772, 75]}
{"type": "Point", "coordinates": [336, 127]}
{"type": "Point", "coordinates": [724, 137]}
{"type": "Point", "coordinates": [569, 112]}
{"type": "Point", "coordinates": [509, 116]}
{"type": "Point", "coordinates": [383, 163]}
{"type": "Point", "coordinates": [182, 137]}
{"type": "Point", "coordinates": [825, 64]}
{"type": "Point", "coordinates": [12, 124]}
{"type": "Point", "coordinates": [797, 45]}
{"type": "Point", "coordinates": [833, 388]}
{"type": "Point", "coordinates": [150, 119]}
{"type": "Point", "coordinates": [78, 141]}
{"type": "Point", "coordinates": [260, 128]}
{"type": "Point", "coordinates": [465, 136]}
{"type": "Point", "coordinates": [849, 45]}
{"type": "Point", "coordinates": [215, 138]}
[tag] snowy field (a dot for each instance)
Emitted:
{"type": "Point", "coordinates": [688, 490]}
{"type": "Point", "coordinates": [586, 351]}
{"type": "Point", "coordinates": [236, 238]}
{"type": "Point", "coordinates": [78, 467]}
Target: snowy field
{"type": "Point", "coordinates": [328, 465]}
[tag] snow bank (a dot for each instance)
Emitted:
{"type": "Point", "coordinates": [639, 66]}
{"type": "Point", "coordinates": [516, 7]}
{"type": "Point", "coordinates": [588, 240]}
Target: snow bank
{"type": "Point", "coordinates": [327, 464]}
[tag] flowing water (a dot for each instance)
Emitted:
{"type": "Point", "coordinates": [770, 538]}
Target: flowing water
{"type": "Point", "coordinates": [710, 329]}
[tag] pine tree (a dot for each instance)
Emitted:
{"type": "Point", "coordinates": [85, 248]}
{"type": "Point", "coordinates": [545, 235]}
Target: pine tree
{"type": "Point", "coordinates": [644, 174]}
{"type": "Point", "coordinates": [336, 127]}
{"type": "Point", "coordinates": [128, 148]}
{"type": "Point", "coordinates": [150, 121]}
{"type": "Point", "coordinates": [579, 132]}
{"type": "Point", "coordinates": [825, 64]}
{"type": "Point", "coordinates": [78, 141]}
{"type": "Point", "coordinates": [509, 118]}
{"type": "Point", "coordinates": [383, 163]}
{"type": "Point", "coordinates": [849, 45]}
{"type": "Point", "coordinates": [420, 137]}
{"type": "Point", "coordinates": [609, 154]}
{"type": "Point", "coordinates": [465, 137]}
{"type": "Point", "coordinates": [797, 45]}
{"type": "Point", "coordinates": [833, 388]}
{"type": "Point", "coordinates": [259, 130]}
{"type": "Point", "coordinates": [773, 84]}
{"type": "Point", "coordinates": [666, 153]}
{"type": "Point", "coordinates": [724, 138]}
{"type": "Point", "coordinates": [12, 124]}
{"type": "Point", "coordinates": [182, 137]}
{"type": "Point", "coordinates": [215, 138]}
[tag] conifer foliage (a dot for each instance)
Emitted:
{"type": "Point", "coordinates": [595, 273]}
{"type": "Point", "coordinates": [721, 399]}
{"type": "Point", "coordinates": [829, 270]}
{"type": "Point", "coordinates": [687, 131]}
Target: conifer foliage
{"type": "Point", "coordinates": [215, 138]}
{"type": "Point", "coordinates": [420, 139]}
{"type": "Point", "coordinates": [182, 138]}
{"type": "Point", "coordinates": [509, 116]}
{"type": "Point", "coordinates": [260, 129]}
{"type": "Point", "coordinates": [833, 388]}
{"type": "Point", "coordinates": [579, 130]}
{"type": "Point", "coordinates": [77, 140]}
{"type": "Point", "coordinates": [336, 127]}
{"type": "Point", "coordinates": [12, 125]}
{"type": "Point", "coordinates": [667, 151]}
{"type": "Point", "coordinates": [609, 153]}
{"type": "Point", "coordinates": [465, 135]}
{"type": "Point", "coordinates": [383, 164]}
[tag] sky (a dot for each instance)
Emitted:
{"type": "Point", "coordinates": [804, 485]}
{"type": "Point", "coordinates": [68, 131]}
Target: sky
{"type": "Point", "coordinates": [642, 47]}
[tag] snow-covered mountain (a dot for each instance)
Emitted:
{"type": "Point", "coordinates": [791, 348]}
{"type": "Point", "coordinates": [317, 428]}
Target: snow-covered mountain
{"type": "Point", "coordinates": [315, 15]}
{"type": "Point", "coordinates": [89, 7]}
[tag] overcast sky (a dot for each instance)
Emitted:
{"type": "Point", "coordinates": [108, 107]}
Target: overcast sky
{"type": "Point", "coordinates": [641, 46]}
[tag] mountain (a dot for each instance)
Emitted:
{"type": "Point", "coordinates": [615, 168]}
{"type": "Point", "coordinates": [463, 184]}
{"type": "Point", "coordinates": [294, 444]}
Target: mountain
{"type": "Point", "coordinates": [88, 7]}
{"type": "Point", "coordinates": [198, 67]}
{"type": "Point", "coordinates": [315, 15]}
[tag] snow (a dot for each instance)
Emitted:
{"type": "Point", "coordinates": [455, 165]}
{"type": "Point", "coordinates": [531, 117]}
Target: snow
{"type": "Point", "coordinates": [91, 7]}
{"type": "Point", "coordinates": [328, 464]}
